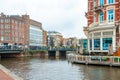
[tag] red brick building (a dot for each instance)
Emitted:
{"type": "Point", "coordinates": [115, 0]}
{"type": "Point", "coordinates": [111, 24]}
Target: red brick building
{"type": "Point", "coordinates": [20, 30]}
{"type": "Point", "coordinates": [103, 19]}
{"type": "Point", "coordinates": [12, 30]}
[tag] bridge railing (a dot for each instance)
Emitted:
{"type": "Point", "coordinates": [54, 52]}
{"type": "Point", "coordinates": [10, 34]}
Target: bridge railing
{"type": "Point", "coordinates": [62, 49]}
{"type": "Point", "coordinates": [6, 48]}
{"type": "Point", "coordinates": [50, 48]}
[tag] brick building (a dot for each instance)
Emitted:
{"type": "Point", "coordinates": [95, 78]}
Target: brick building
{"type": "Point", "coordinates": [70, 42]}
{"type": "Point", "coordinates": [20, 30]}
{"type": "Point", "coordinates": [103, 26]}
{"type": "Point", "coordinates": [54, 39]}
{"type": "Point", "coordinates": [44, 38]}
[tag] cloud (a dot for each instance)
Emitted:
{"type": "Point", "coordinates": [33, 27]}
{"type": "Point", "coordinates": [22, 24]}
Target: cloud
{"type": "Point", "coordinates": [65, 16]}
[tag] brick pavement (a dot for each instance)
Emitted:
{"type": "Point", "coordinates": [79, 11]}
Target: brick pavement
{"type": "Point", "coordinates": [4, 76]}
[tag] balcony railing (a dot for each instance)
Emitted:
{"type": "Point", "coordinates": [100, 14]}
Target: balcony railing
{"type": "Point", "coordinates": [98, 8]}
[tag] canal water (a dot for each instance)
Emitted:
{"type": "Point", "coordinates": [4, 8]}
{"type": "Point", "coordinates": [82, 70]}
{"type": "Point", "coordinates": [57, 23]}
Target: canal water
{"type": "Point", "coordinates": [36, 68]}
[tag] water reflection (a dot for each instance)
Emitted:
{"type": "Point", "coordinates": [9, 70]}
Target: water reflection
{"type": "Point", "coordinates": [36, 68]}
{"type": "Point", "coordinates": [99, 72]}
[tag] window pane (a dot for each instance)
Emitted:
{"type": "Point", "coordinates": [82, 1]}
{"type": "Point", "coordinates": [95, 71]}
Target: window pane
{"type": "Point", "coordinates": [110, 1]}
{"type": "Point", "coordinates": [84, 43]}
{"type": "Point", "coordinates": [101, 2]}
{"type": "Point", "coordinates": [90, 44]}
{"type": "Point", "coordinates": [101, 17]}
{"type": "Point", "coordinates": [106, 43]}
{"type": "Point", "coordinates": [109, 33]}
{"type": "Point", "coordinates": [96, 44]}
{"type": "Point", "coordinates": [110, 16]}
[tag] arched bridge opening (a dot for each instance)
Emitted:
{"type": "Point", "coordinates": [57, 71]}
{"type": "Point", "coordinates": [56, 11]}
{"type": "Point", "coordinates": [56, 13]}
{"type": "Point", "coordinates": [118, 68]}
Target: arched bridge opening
{"type": "Point", "coordinates": [62, 53]}
{"type": "Point", "coordinates": [51, 53]}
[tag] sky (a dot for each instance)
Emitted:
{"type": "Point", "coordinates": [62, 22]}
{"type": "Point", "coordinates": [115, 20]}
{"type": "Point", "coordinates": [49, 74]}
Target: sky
{"type": "Point", "coordinates": [64, 16]}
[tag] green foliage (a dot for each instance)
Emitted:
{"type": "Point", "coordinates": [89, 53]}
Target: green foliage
{"type": "Point", "coordinates": [84, 50]}
{"type": "Point", "coordinates": [31, 52]}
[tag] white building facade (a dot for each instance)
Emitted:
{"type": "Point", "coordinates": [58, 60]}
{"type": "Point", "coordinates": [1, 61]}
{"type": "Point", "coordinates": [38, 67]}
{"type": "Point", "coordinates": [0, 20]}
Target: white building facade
{"type": "Point", "coordinates": [35, 36]}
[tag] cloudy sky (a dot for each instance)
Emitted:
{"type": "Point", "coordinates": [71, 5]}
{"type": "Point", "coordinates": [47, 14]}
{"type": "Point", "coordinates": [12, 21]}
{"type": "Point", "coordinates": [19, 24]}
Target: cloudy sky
{"type": "Point", "coordinates": [64, 16]}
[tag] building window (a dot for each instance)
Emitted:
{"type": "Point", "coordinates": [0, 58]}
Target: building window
{"type": "Point", "coordinates": [110, 1]}
{"type": "Point", "coordinates": [106, 43]}
{"type": "Point", "coordinates": [94, 3]}
{"type": "Point", "coordinates": [96, 44]}
{"type": "Point", "coordinates": [84, 43]}
{"type": "Point", "coordinates": [94, 19]}
{"type": "Point", "coordinates": [2, 20]}
{"type": "Point", "coordinates": [109, 33]}
{"type": "Point", "coordinates": [90, 44]}
{"type": "Point", "coordinates": [110, 15]}
{"type": "Point", "coordinates": [97, 34]}
{"type": "Point", "coordinates": [101, 2]}
{"type": "Point", "coordinates": [101, 17]}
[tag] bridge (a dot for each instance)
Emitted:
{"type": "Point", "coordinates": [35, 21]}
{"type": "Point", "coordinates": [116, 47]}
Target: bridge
{"type": "Point", "coordinates": [9, 51]}
{"type": "Point", "coordinates": [59, 52]}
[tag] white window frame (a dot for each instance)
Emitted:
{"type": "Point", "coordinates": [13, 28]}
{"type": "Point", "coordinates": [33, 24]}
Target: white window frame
{"type": "Point", "coordinates": [113, 16]}
{"type": "Point", "coordinates": [99, 18]}
{"type": "Point", "coordinates": [103, 2]}
{"type": "Point", "coordinates": [110, 3]}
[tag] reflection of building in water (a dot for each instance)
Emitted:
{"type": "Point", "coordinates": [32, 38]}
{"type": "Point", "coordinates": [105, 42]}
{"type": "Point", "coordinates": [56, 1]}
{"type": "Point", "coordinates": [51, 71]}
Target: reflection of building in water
{"type": "Point", "coordinates": [103, 25]}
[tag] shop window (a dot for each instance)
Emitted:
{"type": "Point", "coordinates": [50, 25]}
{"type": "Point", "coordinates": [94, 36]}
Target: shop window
{"type": "Point", "coordinates": [106, 43]}
{"type": "Point", "coordinates": [90, 44]}
{"type": "Point", "coordinates": [96, 44]}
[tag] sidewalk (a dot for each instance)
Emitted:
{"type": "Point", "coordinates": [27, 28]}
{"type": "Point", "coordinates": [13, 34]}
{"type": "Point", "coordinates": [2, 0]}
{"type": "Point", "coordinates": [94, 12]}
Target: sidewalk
{"type": "Point", "coordinates": [4, 76]}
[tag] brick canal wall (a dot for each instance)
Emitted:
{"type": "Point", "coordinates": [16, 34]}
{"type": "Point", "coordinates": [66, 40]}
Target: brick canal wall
{"type": "Point", "coordinates": [35, 53]}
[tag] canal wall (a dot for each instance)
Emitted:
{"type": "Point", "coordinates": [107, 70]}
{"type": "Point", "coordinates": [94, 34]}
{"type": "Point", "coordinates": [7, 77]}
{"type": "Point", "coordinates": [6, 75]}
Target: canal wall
{"type": "Point", "coordinates": [35, 53]}
{"type": "Point", "coordinates": [7, 74]}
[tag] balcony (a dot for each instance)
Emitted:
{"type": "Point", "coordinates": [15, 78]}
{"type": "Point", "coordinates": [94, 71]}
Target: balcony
{"type": "Point", "coordinates": [98, 9]}
{"type": "Point", "coordinates": [101, 26]}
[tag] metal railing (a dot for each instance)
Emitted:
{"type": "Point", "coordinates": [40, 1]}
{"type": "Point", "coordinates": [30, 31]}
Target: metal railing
{"type": "Point", "coordinates": [10, 48]}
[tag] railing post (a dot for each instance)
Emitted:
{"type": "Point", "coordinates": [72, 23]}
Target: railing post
{"type": "Point", "coordinates": [111, 60]}
{"type": "Point", "coordinates": [118, 60]}
{"type": "Point", "coordinates": [89, 58]}
{"type": "Point", "coordinates": [100, 57]}
{"type": "Point", "coordinates": [86, 60]}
